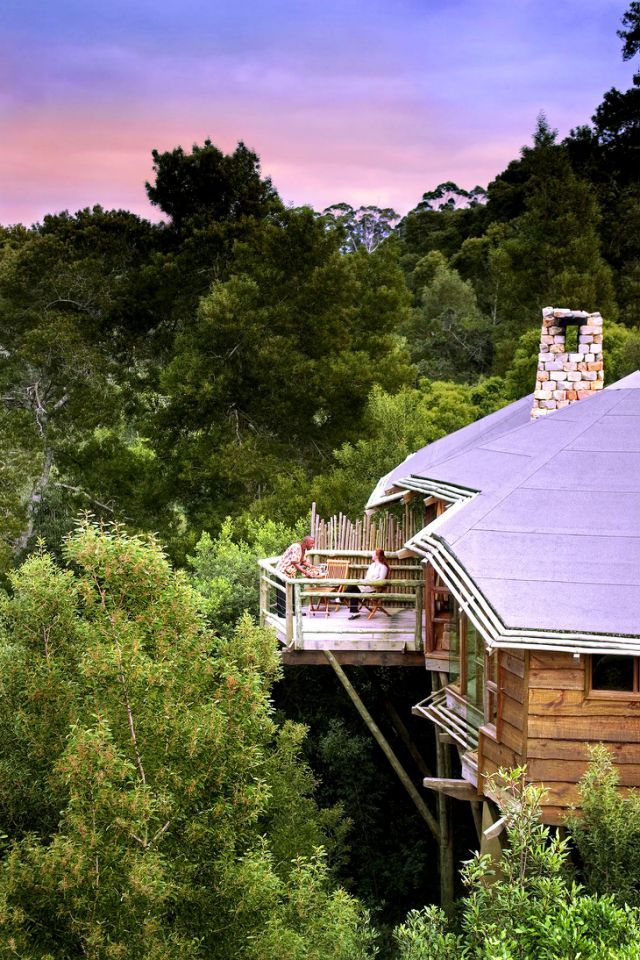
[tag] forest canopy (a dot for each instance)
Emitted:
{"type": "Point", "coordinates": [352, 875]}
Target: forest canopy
{"type": "Point", "coordinates": [173, 384]}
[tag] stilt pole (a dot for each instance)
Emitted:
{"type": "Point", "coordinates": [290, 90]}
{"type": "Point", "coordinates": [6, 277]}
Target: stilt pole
{"type": "Point", "coordinates": [447, 860]}
{"type": "Point", "coordinates": [404, 778]}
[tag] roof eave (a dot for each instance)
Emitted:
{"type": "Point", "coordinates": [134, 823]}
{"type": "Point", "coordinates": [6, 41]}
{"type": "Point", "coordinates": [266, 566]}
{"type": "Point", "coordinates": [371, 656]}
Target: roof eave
{"type": "Point", "coordinates": [496, 634]}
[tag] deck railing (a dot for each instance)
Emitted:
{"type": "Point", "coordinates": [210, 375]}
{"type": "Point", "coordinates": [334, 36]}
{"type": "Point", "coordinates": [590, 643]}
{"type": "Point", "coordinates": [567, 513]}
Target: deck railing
{"type": "Point", "coordinates": [454, 715]}
{"type": "Point", "coordinates": [404, 589]}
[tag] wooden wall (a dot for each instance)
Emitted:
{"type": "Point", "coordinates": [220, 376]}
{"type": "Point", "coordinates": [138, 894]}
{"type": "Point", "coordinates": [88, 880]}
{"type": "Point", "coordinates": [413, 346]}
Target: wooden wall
{"type": "Point", "coordinates": [563, 720]}
{"type": "Point", "coordinates": [506, 746]}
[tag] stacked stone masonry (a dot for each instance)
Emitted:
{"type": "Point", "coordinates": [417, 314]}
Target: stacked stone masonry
{"type": "Point", "coordinates": [565, 377]}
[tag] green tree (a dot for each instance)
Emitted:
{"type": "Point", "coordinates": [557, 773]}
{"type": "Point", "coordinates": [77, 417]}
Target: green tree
{"type": "Point", "coordinates": [531, 910]}
{"type": "Point", "coordinates": [224, 568]}
{"type": "Point", "coordinates": [607, 834]}
{"type": "Point", "coordinates": [364, 228]}
{"type": "Point", "coordinates": [278, 365]}
{"type": "Point", "coordinates": [630, 32]}
{"type": "Point", "coordinates": [396, 425]}
{"type": "Point", "coordinates": [448, 336]}
{"type": "Point", "coordinates": [77, 355]}
{"type": "Point", "coordinates": [209, 185]}
{"type": "Point", "coordinates": [153, 807]}
{"type": "Point", "coordinates": [552, 251]}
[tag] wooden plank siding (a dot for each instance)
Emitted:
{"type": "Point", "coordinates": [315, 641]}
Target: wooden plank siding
{"type": "Point", "coordinates": [562, 720]}
{"type": "Point", "coordinates": [504, 745]}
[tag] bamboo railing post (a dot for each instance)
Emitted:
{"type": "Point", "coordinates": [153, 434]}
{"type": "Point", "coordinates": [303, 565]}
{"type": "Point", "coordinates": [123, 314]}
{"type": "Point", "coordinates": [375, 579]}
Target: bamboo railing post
{"type": "Point", "coordinates": [404, 778]}
{"type": "Point", "coordinates": [289, 614]}
{"type": "Point", "coordinates": [297, 587]}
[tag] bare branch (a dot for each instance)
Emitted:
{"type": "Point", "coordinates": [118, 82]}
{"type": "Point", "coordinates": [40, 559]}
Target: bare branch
{"type": "Point", "coordinates": [83, 493]}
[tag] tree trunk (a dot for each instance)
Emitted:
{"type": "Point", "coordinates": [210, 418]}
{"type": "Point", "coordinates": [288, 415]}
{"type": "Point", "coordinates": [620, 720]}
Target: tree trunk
{"type": "Point", "coordinates": [39, 487]}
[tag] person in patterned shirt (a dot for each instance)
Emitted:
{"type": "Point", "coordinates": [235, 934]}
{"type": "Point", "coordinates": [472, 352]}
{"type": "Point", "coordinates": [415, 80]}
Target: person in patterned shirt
{"type": "Point", "coordinates": [290, 563]}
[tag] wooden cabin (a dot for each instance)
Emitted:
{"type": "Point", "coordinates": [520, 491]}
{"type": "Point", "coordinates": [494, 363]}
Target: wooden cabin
{"type": "Point", "coordinates": [532, 580]}
{"type": "Point", "coordinates": [518, 581]}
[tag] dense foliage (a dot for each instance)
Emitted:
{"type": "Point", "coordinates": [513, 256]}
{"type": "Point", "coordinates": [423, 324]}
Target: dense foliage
{"type": "Point", "coordinates": [527, 906]}
{"type": "Point", "coordinates": [188, 379]}
{"type": "Point", "coordinates": [152, 805]}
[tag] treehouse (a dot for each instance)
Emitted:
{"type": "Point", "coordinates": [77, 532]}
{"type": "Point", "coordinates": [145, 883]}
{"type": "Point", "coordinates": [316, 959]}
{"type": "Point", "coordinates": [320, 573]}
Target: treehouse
{"type": "Point", "coordinates": [518, 583]}
{"type": "Point", "coordinates": [533, 576]}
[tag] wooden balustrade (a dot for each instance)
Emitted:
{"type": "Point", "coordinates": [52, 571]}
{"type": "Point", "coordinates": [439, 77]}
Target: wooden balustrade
{"type": "Point", "coordinates": [300, 630]}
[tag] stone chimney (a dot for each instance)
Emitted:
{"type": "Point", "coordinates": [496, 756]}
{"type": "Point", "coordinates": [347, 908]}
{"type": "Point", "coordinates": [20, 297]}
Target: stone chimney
{"type": "Point", "coordinates": [565, 376]}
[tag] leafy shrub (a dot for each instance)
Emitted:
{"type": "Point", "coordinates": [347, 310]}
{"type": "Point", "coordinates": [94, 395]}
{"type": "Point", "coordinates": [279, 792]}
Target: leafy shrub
{"type": "Point", "coordinates": [607, 834]}
{"type": "Point", "coordinates": [529, 908]}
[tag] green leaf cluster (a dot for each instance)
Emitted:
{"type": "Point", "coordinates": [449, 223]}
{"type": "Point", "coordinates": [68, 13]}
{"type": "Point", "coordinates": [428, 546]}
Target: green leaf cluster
{"type": "Point", "coordinates": [527, 907]}
{"type": "Point", "coordinates": [152, 806]}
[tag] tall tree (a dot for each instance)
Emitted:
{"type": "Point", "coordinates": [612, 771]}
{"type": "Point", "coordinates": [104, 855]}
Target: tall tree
{"type": "Point", "coordinates": [152, 807]}
{"type": "Point", "coordinates": [364, 228]}
{"type": "Point", "coordinates": [630, 32]}
{"type": "Point", "coordinates": [278, 365]}
{"type": "Point", "coordinates": [548, 248]}
{"type": "Point", "coordinates": [79, 312]}
{"type": "Point", "coordinates": [209, 185]}
{"type": "Point", "coordinates": [448, 336]}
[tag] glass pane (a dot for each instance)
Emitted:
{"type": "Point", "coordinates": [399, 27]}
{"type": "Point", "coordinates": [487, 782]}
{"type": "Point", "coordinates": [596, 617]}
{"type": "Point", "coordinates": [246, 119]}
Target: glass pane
{"type": "Point", "coordinates": [454, 642]}
{"type": "Point", "coordinates": [610, 672]}
{"type": "Point", "coordinates": [491, 682]}
{"type": "Point", "coordinates": [475, 665]}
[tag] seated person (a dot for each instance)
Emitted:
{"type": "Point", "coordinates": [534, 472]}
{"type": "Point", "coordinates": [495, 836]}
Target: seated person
{"type": "Point", "coordinates": [290, 564]}
{"type": "Point", "coordinates": [377, 573]}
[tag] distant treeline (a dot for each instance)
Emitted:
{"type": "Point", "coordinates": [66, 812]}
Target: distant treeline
{"type": "Point", "coordinates": [243, 357]}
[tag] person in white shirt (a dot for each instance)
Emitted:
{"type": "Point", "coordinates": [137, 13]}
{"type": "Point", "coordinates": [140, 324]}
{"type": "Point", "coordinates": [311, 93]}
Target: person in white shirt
{"type": "Point", "coordinates": [377, 573]}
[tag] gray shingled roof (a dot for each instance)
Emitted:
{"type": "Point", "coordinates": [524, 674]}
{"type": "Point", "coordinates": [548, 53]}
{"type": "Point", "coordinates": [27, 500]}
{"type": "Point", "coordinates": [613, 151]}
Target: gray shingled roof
{"type": "Point", "coordinates": [551, 542]}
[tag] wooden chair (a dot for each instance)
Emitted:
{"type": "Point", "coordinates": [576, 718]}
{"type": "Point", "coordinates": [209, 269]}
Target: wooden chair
{"type": "Point", "coordinates": [336, 570]}
{"type": "Point", "coordinates": [375, 605]}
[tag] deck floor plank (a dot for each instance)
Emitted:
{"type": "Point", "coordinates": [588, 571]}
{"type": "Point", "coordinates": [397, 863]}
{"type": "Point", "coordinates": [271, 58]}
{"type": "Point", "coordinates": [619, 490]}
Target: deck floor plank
{"type": "Point", "coordinates": [338, 632]}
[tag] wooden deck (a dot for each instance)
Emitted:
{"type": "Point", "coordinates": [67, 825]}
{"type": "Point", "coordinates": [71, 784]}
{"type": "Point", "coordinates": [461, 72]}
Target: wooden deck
{"type": "Point", "coordinates": [391, 640]}
{"type": "Point", "coordinates": [338, 632]}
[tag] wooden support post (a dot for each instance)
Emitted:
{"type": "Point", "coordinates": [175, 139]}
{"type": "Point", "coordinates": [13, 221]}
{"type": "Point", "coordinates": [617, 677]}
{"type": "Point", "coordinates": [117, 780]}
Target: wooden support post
{"type": "Point", "coordinates": [419, 615]}
{"type": "Point", "coordinates": [447, 861]}
{"type": "Point", "coordinates": [476, 810]}
{"type": "Point", "coordinates": [404, 734]}
{"type": "Point", "coordinates": [298, 615]}
{"type": "Point", "coordinates": [289, 614]}
{"type": "Point", "coordinates": [404, 778]}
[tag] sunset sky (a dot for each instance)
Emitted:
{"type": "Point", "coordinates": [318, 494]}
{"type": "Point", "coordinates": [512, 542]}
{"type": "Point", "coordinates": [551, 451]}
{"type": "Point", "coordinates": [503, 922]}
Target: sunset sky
{"type": "Point", "coordinates": [344, 100]}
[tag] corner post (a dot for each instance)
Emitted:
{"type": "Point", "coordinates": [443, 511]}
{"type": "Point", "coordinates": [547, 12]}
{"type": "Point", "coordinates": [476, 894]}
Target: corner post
{"type": "Point", "coordinates": [289, 613]}
{"type": "Point", "coordinates": [297, 589]}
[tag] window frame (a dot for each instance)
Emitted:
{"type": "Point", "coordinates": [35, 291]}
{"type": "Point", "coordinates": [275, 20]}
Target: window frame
{"type": "Point", "coordinates": [597, 694]}
{"type": "Point", "coordinates": [492, 689]}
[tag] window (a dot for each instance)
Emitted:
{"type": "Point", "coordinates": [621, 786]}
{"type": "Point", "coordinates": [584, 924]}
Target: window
{"type": "Point", "coordinates": [471, 662]}
{"type": "Point", "coordinates": [440, 616]}
{"type": "Point", "coordinates": [614, 674]}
